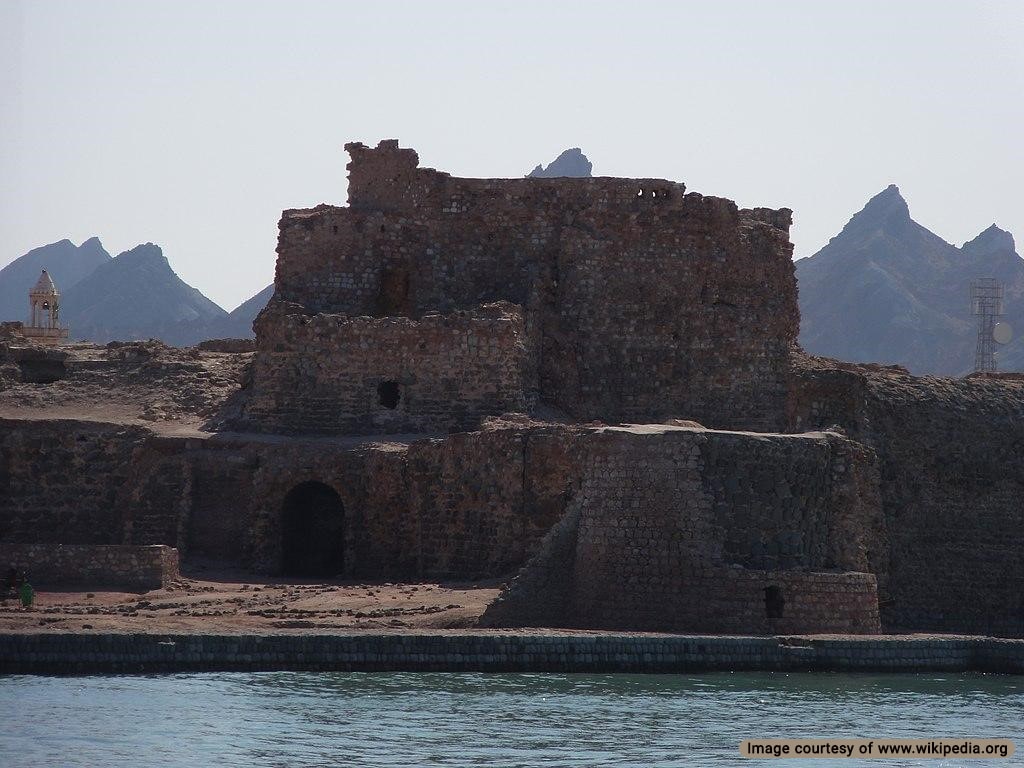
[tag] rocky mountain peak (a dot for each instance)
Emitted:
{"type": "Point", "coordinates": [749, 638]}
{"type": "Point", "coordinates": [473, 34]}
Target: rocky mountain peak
{"type": "Point", "coordinates": [572, 163]}
{"type": "Point", "coordinates": [146, 253]}
{"type": "Point", "coordinates": [991, 240]}
{"type": "Point", "coordinates": [885, 211]}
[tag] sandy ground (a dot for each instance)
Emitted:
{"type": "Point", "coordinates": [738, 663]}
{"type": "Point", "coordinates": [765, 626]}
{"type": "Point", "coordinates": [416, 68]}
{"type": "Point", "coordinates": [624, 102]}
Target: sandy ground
{"type": "Point", "coordinates": [224, 604]}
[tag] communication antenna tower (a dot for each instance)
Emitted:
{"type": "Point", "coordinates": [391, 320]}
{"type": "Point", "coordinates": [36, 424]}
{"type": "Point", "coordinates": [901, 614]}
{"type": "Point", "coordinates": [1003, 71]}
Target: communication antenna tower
{"type": "Point", "coordinates": [987, 305]}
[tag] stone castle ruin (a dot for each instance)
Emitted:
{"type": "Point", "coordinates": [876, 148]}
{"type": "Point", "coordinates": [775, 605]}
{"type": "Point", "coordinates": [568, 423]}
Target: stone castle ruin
{"type": "Point", "coordinates": [430, 302]}
{"type": "Point", "coordinates": [589, 387]}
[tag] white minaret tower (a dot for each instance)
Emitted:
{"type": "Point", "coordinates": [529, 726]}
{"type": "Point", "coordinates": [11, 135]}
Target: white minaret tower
{"type": "Point", "coordinates": [44, 312]}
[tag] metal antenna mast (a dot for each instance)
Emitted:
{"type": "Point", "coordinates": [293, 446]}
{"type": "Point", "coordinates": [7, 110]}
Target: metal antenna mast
{"type": "Point", "coordinates": [986, 304]}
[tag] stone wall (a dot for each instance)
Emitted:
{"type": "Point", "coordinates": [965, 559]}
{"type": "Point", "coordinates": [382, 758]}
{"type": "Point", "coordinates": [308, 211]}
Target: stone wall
{"type": "Point", "coordinates": [684, 529]}
{"type": "Point", "coordinates": [329, 373]}
{"type": "Point", "coordinates": [107, 565]}
{"type": "Point", "coordinates": [60, 480]}
{"type": "Point", "coordinates": [641, 301]}
{"type": "Point", "coordinates": [951, 465]}
{"type": "Point", "coordinates": [470, 505]}
{"type": "Point", "coordinates": [63, 653]}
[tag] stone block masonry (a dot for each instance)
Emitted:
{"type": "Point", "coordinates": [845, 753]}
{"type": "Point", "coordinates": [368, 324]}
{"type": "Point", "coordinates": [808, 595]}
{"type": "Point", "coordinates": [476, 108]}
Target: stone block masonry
{"type": "Point", "coordinates": [331, 373]}
{"type": "Point", "coordinates": [501, 652]}
{"type": "Point", "coordinates": [682, 529]}
{"type": "Point", "coordinates": [381, 429]}
{"type": "Point", "coordinates": [640, 301]}
{"type": "Point", "coordinates": [950, 492]}
{"type": "Point", "coordinates": [93, 565]}
{"type": "Point", "coordinates": [62, 479]}
{"type": "Point", "coordinates": [467, 506]}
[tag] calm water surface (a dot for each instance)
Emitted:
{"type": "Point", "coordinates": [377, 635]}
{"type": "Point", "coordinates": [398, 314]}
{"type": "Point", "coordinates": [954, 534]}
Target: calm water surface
{"type": "Point", "coordinates": [338, 719]}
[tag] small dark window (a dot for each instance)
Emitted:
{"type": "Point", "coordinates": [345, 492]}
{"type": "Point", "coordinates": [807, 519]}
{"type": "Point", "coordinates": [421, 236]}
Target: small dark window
{"type": "Point", "coordinates": [335, 229]}
{"type": "Point", "coordinates": [774, 603]}
{"type": "Point", "coordinates": [388, 394]}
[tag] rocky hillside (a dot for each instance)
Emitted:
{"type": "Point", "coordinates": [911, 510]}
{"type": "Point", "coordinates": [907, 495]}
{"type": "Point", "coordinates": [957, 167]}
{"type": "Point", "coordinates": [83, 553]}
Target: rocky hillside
{"type": "Point", "coordinates": [238, 323]}
{"type": "Point", "coordinates": [137, 296]}
{"type": "Point", "coordinates": [66, 263]}
{"type": "Point", "coordinates": [887, 290]}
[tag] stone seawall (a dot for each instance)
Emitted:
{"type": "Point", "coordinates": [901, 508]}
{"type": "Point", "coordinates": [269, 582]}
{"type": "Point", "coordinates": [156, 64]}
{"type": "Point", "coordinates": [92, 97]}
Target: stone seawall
{"type": "Point", "coordinates": [471, 652]}
{"type": "Point", "coordinates": [93, 564]}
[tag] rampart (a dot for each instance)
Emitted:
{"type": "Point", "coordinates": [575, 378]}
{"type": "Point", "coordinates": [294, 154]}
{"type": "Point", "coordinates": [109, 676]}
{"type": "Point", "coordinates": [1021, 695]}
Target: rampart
{"type": "Point", "coordinates": [951, 469]}
{"type": "Point", "coordinates": [62, 479]}
{"type": "Point", "coordinates": [680, 529]}
{"type": "Point", "coordinates": [640, 301]}
{"type": "Point", "coordinates": [471, 505]}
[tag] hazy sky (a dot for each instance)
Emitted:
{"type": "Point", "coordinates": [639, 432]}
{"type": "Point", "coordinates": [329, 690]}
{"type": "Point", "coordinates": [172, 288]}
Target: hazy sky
{"type": "Point", "coordinates": [193, 124]}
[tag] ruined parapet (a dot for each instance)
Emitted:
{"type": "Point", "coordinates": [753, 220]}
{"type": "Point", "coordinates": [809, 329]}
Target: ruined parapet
{"type": "Point", "coordinates": [641, 301]}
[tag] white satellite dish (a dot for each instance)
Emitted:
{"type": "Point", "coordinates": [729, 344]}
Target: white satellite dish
{"type": "Point", "coordinates": [1002, 333]}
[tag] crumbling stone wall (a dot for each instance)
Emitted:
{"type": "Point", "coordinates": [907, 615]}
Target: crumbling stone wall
{"type": "Point", "coordinates": [330, 373]}
{"type": "Point", "coordinates": [98, 565]}
{"type": "Point", "coordinates": [688, 530]}
{"type": "Point", "coordinates": [951, 465]}
{"type": "Point", "coordinates": [641, 301]}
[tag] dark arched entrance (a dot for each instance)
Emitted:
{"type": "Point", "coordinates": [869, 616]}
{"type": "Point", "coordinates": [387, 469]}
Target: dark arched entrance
{"type": "Point", "coordinates": [313, 532]}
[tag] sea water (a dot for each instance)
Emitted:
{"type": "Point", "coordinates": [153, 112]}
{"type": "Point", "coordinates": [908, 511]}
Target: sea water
{"type": "Point", "coordinates": [459, 719]}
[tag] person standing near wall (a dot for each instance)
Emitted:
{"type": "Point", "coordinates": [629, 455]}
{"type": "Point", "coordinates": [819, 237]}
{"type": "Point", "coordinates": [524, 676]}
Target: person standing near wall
{"type": "Point", "coordinates": [27, 594]}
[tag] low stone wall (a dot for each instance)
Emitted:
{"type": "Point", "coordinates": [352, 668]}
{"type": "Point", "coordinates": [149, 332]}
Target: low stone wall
{"type": "Point", "coordinates": [227, 345]}
{"type": "Point", "coordinates": [93, 564]}
{"type": "Point", "coordinates": [733, 600]}
{"type": "Point", "coordinates": [67, 654]}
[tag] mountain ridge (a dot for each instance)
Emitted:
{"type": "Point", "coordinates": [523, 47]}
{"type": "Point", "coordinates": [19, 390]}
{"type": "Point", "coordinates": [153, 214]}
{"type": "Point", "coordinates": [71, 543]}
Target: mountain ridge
{"type": "Point", "coordinates": [888, 290]}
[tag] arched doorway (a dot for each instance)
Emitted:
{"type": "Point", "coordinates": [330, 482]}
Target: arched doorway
{"type": "Point", "coordinates": [312, 532]}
